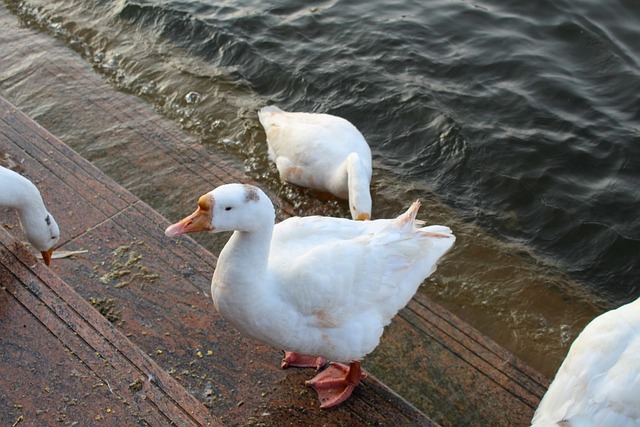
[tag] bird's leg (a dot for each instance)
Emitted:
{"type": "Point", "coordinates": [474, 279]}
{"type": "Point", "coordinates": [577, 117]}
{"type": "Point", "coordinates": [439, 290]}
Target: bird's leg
{"type": "Point", "coordinates": [297, 360]}
{"type": "Point", "coordinates": [336, 383]}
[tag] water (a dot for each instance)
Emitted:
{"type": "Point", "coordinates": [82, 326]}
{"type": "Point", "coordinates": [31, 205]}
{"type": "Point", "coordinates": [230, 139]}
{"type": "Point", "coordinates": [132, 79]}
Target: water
{"type": "Point", "coordinates": [517, 124]}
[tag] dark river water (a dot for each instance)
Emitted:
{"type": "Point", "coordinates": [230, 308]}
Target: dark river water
{"type": "Point", "coordinates": [517, 123]}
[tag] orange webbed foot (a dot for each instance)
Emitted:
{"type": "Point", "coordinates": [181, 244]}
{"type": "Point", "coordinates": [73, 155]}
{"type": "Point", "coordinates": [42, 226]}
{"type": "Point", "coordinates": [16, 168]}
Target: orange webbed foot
{"type": "Point", "coordinates": [335, 384]}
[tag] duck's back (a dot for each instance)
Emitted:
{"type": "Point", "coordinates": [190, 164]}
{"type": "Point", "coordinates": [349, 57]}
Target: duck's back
{"type": "Point", "coordinates": [597, 383]}
{"type": "Point", "coordinates": [357, 274]}
{"type": "Point", "coordinates": [320, 142]}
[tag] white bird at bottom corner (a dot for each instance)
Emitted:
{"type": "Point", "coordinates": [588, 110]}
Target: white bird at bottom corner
{"type": "Point", "coordinates": [322, 152]}
{"type": "Point", "coordinates": [317, 287]}
{"type": "Point", "coordinates": [598, 384]}
{"type": "Point", "coordinates": [40, 227]}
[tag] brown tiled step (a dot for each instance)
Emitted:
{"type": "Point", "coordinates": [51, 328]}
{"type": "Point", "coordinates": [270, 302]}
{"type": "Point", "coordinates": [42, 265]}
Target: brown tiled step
{"type": "Point", "coordinates": [63, 362]}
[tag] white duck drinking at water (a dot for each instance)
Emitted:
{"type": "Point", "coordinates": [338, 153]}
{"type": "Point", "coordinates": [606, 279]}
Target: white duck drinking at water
{"type": "Point", "coordinates": [322, 152]}
{"type": "Point", "coordinates": [19, 193]}
{"type": "Point", "coordinates": [598, 384]}
{"type": "Point", "coordinates": [317, 287]}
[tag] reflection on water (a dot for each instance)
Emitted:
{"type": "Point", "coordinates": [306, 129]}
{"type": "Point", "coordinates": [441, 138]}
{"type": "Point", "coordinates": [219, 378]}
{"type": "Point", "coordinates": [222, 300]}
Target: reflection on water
{"type": "Point", "coordinates": [458, 138]}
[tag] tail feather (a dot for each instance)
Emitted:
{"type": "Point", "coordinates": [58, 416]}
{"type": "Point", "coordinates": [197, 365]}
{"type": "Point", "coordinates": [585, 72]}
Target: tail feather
{"type": "Point", "coordinates": [270, 109]}
{"type": "Point", "coordinates": [440, 237]}
{"type": "Point", "coordinates": [265, 113]}
{"type": "Point", "coordinates": [408, 218]}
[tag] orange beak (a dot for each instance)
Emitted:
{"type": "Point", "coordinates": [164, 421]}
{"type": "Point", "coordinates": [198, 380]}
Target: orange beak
{"type": "Point", "coordinates": [46, 256]}
{"type": "Point", "coordinates": [200, 220]}
{"type": "Point", "coordinates": [363, 217]}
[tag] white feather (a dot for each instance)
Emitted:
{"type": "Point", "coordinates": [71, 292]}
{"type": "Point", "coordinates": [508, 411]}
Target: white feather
{"type": "Point", "coordinates": [321, 152]}
{"type": "Point", "coordinates": [598, 384]}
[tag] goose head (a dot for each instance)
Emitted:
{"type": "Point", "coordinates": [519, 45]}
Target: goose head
{"type": "Point", "coordinates": [360, 203]}
{"type": "Point", "coordinates": [229, 207]}
{"type": "Point", "coordinates": [358, 183]}
{"type": "Point", "coordinates": [39, 226]}
{"type": "Point", "coordinates": [42, 232]}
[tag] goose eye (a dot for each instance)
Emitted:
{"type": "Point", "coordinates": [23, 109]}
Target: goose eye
{"type": "Point", "coordinates": [228, 208]}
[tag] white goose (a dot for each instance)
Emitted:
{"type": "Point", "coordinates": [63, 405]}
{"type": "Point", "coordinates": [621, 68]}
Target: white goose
{"type": "Point", "coordinates": [321, 152]}
{"type": "Point", "coordinates": [315, 286]}
{"type": "Point", "coordinates": [598, 384]}
{"type": "Point", "coordinates": [19, 193]}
